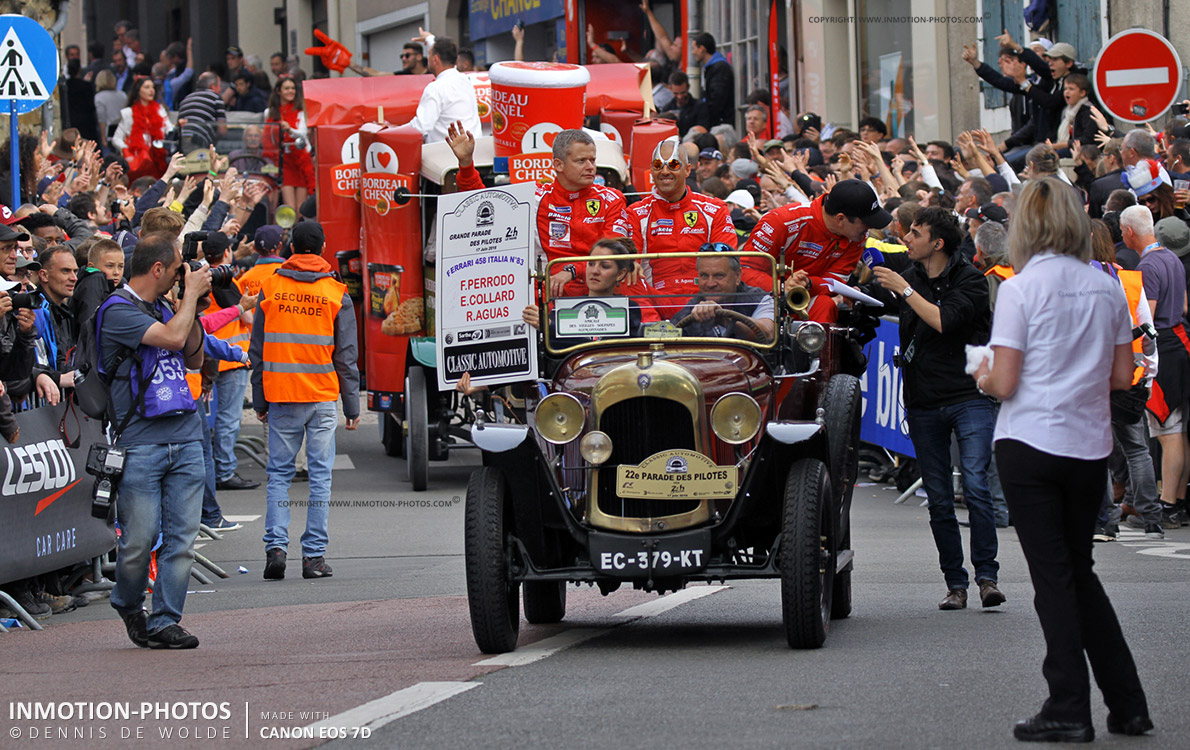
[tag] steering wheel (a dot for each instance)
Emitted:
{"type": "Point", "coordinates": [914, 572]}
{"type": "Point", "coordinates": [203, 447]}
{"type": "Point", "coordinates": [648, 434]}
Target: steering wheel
{"type": "Point", "coordinates": [757, 332]}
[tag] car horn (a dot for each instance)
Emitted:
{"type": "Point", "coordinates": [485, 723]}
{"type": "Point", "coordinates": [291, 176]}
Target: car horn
{"type": "Point", "coordinates": [797, 299]}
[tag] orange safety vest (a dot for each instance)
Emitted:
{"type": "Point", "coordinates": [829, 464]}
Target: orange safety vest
{"type": "Point", "coordinates": [299, 339]}
{"type": "Point", "coordinates": [1133, 285]}
{"type": "Point", "coordinates": [235, 333]}
{"type": "Point", "coordinates": [249, 282]}
{"type": "Point", "coordinates": [1004, 273]}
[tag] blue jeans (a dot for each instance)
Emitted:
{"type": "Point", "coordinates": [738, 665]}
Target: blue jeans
{"type": "Point", "coordinates": [160, 492]}
{"type": "Point", "coordinates": [211, 512]}
{"type": "Point", "coordinates": [972, 423]}
{"type": "Point", "coordinates": [289, 424]}
{"type": "Point", "coordinates": [229, 410]}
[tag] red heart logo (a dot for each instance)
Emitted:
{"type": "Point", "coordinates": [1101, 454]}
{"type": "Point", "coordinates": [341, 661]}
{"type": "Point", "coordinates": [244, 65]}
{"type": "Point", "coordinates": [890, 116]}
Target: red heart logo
{"type": "Point", "coordinates": [384, 158]}
{"type": "Point", "coordinates": [549, 138]}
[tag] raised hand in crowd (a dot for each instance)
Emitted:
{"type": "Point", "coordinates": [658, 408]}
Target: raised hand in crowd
{"type": "Point", "coordinates": [174, 166]}
{"type": "Point", "coordinates": [231, 228]}
{"type": "Point", "coordinates": [957, 165]}
{"type": "Point", "coordinates": [126, 205]}
{"type": "Point", "coordinates": [777, 175]}
{"type": "Point", "coordinates": [829, 183]}
{"type": "Point", "coordinates": [754, 147]}
{"type": "Point", "coordinates": [46, 387]}
{"type": "Point", "coordinates": [461, 143]}
{"type": "Point", "coordinates": [48, 169]}
{"type": "Point", "coordinates": [228, 189]}
{"type": "Point", "coordinates": [1006, 40]}
{"type": "Point", "coordinates": [169, 197]}
{"type": "Point", "coordinates": [208, 192]}
{"type": "Point", "coordinates": [245, 249]}
{"type": "Point", "coordinates": [44, 147]}
{"type": "Point", "coordinates": [113, 172]}
{"type": "Point", "coordinates": [53, 192]}
{"type": "Point", "coordinates": [971, 55]}
{"type": "Point", "coordinates": [898, 169]}
{"type": "Point", "coordinates": [796, 161]}
{"type": "Point", "coordinates": [1100, 119]}
{"type": "Point", "coordinates": [987, 144]}
{"type": "Point", "coordinates": [188, 186]}
{"type": "Point", "coordinates": [255, 192]}
{"type": "Point", "coordinates": [918, 155]}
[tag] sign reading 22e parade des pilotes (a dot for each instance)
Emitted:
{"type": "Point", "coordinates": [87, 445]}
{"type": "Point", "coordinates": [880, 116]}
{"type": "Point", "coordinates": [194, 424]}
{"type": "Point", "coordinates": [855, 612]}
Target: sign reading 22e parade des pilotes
{"type": "Point", "coordinates": [484, 266]}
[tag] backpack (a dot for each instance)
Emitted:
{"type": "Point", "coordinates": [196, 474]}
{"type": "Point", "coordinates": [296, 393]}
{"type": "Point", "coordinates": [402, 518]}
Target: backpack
{"type": "Point", "coordinates": [92, 387]}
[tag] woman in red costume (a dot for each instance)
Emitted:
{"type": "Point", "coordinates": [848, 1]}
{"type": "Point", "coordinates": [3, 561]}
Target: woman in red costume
{"type": "Point", "coordinates": [288, 109]}
{"type": "Point", "coordinates": [143, 125]}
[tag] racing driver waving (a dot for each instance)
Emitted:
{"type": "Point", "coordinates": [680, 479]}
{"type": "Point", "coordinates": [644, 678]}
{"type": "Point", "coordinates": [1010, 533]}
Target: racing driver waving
{"type": "Point", "coordinates": [573, 212]}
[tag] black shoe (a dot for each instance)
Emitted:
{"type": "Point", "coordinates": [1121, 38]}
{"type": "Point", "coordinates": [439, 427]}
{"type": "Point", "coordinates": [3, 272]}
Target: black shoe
{"type": "Point", "coordinates": [315, 567]}
{"type": "Point", "coordinates": [1171, 518]}
{"type": "Point", "coordinates": [135, 624]}
{"type": "Point", "coordinates": [1103, 534]}
{"type": "Point", "coordinates": [172, 636]}
{"type": "Point", "coordinates": [1154, 531]}
{"type": "Point", "coordinates": [236, 482]}
{"type": "Point", "coordinates": [301, 475]}
{"type": "Point", "coordinates": [36, 609]}
{"type": "Point", "coordinates": [1133, 727]}
{"type": "Point", "coordinates": [274, 564]}
{"type": "Point", "coordinates": [1038, 729]}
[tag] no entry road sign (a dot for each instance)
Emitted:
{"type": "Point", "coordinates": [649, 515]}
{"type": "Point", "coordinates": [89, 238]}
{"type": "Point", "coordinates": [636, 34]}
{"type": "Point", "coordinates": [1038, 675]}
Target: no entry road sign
{"type": "Point", "coordinates": [1137, 76]}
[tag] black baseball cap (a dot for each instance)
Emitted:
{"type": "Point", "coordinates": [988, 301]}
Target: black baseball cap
{"type": "Point", "coordinates": [7, 234]}
{"type": "Point", "coordinates": [307, 237]}
{"type": "Point", "coordinates": [988, 212]}
{"type": "Point", "coordinates": [268, 238]}
{"type": "Point", "coordinates": [856, 199]}
{"type": "Point", "coordinates": [235, 51]}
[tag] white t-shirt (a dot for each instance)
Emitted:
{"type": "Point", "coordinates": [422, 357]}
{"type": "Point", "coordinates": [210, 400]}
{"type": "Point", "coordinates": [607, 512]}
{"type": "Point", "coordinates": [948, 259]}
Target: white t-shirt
{"type": "Point", "coordinates": [447, 98]}
{"type": "Point", "coordinates": [1067, 318]}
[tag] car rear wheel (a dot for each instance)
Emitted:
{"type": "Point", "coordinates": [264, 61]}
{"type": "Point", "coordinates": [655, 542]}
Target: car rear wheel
{"type": "Point", "coordinates": [807, 559]}
{"type": "Point", "coordinates": [417, 436]}
{"type": "Point", "coordinates": [545, 601]}
{"type": "Point", "coordinates": [492, 595]}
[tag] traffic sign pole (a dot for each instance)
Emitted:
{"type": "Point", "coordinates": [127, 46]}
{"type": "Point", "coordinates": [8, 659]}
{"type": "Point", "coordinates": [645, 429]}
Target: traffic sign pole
{"type": "Point", "coordinates": [14, 151]}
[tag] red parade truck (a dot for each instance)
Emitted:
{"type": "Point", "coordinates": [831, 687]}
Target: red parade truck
{"type": "Point", "coordinates": [376, 193]}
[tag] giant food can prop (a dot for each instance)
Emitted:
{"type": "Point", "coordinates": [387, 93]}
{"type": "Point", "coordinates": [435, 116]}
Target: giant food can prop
{"type": "Point", "coordinates": [531, 103]}
{"type": "Point", "coordinates": [392, 251]}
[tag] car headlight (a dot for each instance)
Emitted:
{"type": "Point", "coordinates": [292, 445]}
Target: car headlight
{"type": "Point", "coordinates": [595, 447]}
{"type": "Point", "coordinates": [810, 337]}
{"type": "Point", "coordinates": [735, 418]}
{"type": "Point", "coordinates": [560, 418]}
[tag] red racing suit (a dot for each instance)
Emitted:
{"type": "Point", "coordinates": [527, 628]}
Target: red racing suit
{"type": "Point", "coordinates": [659, 226]}
{"type": "Point", "coordinates": [809, 246]}
{"type": "Point", "coordinates": [569, 223]}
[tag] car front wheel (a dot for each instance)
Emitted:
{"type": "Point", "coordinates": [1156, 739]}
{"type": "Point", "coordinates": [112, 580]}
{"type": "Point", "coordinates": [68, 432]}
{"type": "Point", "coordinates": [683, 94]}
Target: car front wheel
{"type": "Point", "coordinates": [492, 595]}
{"type": "Point", "coordinates": [807, 556]}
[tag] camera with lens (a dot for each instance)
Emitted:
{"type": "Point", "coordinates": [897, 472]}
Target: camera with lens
{"type": "Point", "coordinates": [30, 300]}
{"type": "Point", "coordinates": [221, 276]}
{"type": "Point", "coordinates": [106, 464]}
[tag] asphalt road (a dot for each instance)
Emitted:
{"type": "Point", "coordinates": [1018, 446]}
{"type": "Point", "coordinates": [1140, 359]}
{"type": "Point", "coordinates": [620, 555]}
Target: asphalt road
{"type": "Point", "coordinates": [384, 647]}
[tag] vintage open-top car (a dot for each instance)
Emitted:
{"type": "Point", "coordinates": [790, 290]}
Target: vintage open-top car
{"type": "Point", "coordinates": [658, 459]}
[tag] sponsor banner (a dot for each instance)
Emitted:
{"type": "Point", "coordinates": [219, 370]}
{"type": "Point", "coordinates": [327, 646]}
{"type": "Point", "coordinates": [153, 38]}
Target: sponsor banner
{"type": "Point", "coordinates": [46, 495]}
{"type": "Point", "coordinates": [883, 420]}
{"type": "Point", "coordinates": [536, 168]}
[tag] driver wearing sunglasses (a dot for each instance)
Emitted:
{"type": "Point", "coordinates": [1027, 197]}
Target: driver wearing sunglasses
{"type": "Point", "coordinates": [674, 219]}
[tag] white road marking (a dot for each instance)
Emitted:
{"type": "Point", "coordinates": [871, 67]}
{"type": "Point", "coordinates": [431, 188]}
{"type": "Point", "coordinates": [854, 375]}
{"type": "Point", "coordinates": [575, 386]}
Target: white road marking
{"type": "Point", "coordinates": [543, 648]}
{"type": "Point", "coordinates": [199, 545]}
{"type": "Point", "coordinates": [242, 519]}
{"type": "Point", "coordinates": [377, 713]}
{"type": "Point", "coordinates": [342, 461]}
{"type": "Point", "coordinates": [666, 603]}
{"type": "Point", "coordinates": [1136, 76]}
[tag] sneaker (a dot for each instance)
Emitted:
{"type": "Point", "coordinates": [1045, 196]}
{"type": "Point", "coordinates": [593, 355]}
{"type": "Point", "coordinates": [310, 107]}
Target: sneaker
{"type": "Point", "coordinates": [236, 482]}
{"type": "Point", "coordinates": [955, 599]}
{"type": "Point", "coordinates": [136, 627]}
{"type": "Point", "coordinates": [224, 525]}
{"type": "Point", "coordinates": [301, 475]}
{"type": "Point", "coordinates": [1135, 522]}
{"type": "Point", "coordinates": [173, 637]}
{"type": "Point", "coordinates": [1103, 534]}
{"type": "Point", "coordinates": [274, 564]}
{"type": "Point", "coordinates": [1171, 518]}
{"type": "Point", "coordinates": [990, 595]}
{"type": "Point", "coordinates": [1154, 531]}
{"type": "Point", "coordinates": [57, 604]}
{"type": "Point", "coordinates": [315, 567]}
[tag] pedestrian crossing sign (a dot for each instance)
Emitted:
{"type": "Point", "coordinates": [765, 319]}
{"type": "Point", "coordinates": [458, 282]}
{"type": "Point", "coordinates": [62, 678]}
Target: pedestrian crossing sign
{"type": "Point", "coordinates": [28, 64]}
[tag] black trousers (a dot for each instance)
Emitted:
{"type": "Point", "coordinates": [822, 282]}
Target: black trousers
{"type": "Point", "coordinates": [1054, 502]}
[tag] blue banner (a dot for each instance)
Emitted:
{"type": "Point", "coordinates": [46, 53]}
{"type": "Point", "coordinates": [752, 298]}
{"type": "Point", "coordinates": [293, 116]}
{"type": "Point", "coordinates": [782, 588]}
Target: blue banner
{"type": "Point", "coordinates": [491, 17]}
{"type": "Point", "coordinates": [883, 417]}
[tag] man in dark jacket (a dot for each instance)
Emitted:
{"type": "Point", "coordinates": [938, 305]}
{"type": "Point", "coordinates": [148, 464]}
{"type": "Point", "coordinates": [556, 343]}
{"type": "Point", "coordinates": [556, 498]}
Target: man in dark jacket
{"type": "Point", "coordinates": [718, 81]}
{"type": "Point", "coordinates": [1101, 189]}
{"type": "Point", "coordinates": [944, 307]}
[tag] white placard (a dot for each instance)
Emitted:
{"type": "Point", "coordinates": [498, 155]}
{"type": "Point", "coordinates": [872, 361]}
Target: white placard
{"type": "Point", "coordinates": [591, 316]}
{"type": "Point", "coordinates": [484, 265]}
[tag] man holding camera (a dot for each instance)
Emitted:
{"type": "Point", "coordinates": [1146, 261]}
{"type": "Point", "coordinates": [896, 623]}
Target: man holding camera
{"type": "Point", "coordinates": [19, 369]}
{"type": "Point", "coordinates": [145, 347]}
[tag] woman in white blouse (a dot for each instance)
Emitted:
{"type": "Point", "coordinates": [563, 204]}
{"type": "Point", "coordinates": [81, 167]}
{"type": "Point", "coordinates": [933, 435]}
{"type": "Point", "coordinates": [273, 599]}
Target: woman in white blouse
{"type": "Point", "coordinates": [1062, 340]}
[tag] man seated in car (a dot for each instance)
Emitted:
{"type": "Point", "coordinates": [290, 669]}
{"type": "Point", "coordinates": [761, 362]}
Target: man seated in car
{"type": "Point", "coordinates": [720, 289]}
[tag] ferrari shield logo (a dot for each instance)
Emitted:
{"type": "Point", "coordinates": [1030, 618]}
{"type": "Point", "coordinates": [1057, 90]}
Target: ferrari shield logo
{"type": "Point", "coordinates": [593, 207]}
{"type": "Point", "coordinates": [691, 218]}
